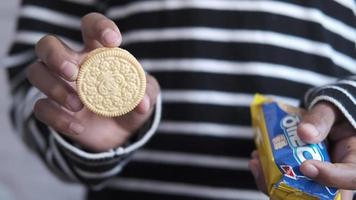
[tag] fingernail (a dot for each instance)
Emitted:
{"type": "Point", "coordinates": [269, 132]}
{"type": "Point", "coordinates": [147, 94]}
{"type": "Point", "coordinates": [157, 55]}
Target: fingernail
{"type": "Point", "coordinates": [76, 128]}
{"type": "Point", "coordinates": [73, 102]}
{"type": "Point", "coordinates": [69, 70]}
{"type": "Point", "coordinates": [310, 170]}
{"type": "Point", "coordinates": [311, 130]}
{"type": "Point", "coordinates": [110, 37]}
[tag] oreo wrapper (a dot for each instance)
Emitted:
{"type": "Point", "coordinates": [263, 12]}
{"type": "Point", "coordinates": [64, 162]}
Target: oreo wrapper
{"type": "Point", "coordinates": [281, 152]}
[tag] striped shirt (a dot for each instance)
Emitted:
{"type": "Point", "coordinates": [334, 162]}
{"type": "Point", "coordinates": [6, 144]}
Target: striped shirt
{"type": "Point", "coordinates": [210, 57]}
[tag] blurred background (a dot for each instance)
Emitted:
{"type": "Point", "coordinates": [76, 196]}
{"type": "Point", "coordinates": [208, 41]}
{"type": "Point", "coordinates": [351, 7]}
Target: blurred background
{"type": "Point", "coordinates": [22, 175]}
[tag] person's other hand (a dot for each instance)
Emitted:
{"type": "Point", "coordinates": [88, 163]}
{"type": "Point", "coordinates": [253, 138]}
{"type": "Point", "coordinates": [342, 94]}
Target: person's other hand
{"type": "Point", "coordinates": [54, 75]}
{"type": "Point", "coordinates": [257, 172]}
{"type": "Point", "coordinates": [323, 121]}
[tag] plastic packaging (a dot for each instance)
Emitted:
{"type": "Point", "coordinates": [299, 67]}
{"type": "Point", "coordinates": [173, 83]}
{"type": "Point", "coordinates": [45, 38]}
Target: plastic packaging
{"type": "Point", "coordinates": [281, 152]}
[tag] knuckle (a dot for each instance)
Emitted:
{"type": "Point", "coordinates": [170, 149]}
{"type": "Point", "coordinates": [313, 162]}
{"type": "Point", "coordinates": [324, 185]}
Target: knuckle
{"type": "Point", "coordinates": [61, 123]}
{"type": "Point", "coordinates": [90, 16]}
{"type": "Point", "coordinates": [329, 180]}
{"type": "Point", "coordinates": [49, 44]}
{"type": "Point", "coordinates": [48, 38]}
{"type": "Point", "coordinates": [44, 41]}
{"type": "Point", "coordinates": [53, 59]}
{"type": "Point", "coordinates": [57, 93]}
{"type": "Point", "coordinates": [38, 108]}
{"type": "Point", "coordinates": [31, 70]}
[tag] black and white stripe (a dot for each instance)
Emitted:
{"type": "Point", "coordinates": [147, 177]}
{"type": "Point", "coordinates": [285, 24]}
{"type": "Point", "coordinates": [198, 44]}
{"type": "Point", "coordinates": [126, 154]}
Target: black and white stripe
{"type": "Point", "coordinates": [293, 10]}
{"type": "Point", "coordinates": [210, 57]}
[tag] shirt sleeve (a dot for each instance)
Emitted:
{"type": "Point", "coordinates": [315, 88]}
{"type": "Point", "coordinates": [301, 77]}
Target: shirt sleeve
{"type": "Point", "coordinates": [66, 159]}
{"type": "Point", "coordinates": [341, 94]}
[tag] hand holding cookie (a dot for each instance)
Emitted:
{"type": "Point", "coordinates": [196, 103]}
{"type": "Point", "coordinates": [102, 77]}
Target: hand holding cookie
{"type": "Point", "coordinates": [56, 74]}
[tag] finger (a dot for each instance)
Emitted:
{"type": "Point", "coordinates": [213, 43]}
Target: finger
{"type": "Point", "coordinates": [51, 114]}
{"type": "Point", "coordinates": [141, 114]}
{"type": "Point", "coordinates": [341, 131]}
{"type": "Point", "coordinates": [54, 87]}
{"type": "Point", "coordinates": [98, 31]}
{"type": "Point", "coordinates": [339, 175]}
{"type": "Point", "coordinates": [150, 97]}
{"type": "Point", "coordinates": [58, 57]}
{"type": "Point", "coordinates": [254, 154]}
{"type": "Point", "coordinates": [346, 195]}
{"type": "Point", "coordinates": [256, 169]}
{"type": "Point", "coordinates": [316, 123]}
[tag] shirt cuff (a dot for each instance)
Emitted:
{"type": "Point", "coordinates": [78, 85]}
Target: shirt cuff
{"type": "Point", "coordinates": [341, 94]}
{"type": "Point", "coordinates": [81, 154]}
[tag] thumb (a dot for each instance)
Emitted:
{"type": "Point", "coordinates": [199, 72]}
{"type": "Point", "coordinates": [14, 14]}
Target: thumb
{"type": "Point", "coordinates": [316, 123]}
{"type": "Point", "coordinates": [338, 175]}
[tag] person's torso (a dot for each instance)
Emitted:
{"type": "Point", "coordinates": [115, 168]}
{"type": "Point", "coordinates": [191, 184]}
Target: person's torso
{"type": "Point", "coordinates": [210, 57]}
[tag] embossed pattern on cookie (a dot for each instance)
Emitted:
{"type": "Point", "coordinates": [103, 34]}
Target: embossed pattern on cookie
{"type": "Point", "coordinates": [111, 82]}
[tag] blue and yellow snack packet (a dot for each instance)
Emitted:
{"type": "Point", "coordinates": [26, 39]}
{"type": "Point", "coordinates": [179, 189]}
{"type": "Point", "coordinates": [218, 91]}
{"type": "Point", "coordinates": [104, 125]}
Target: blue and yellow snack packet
{"type": "Point", "coordinates": [281, 153]}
